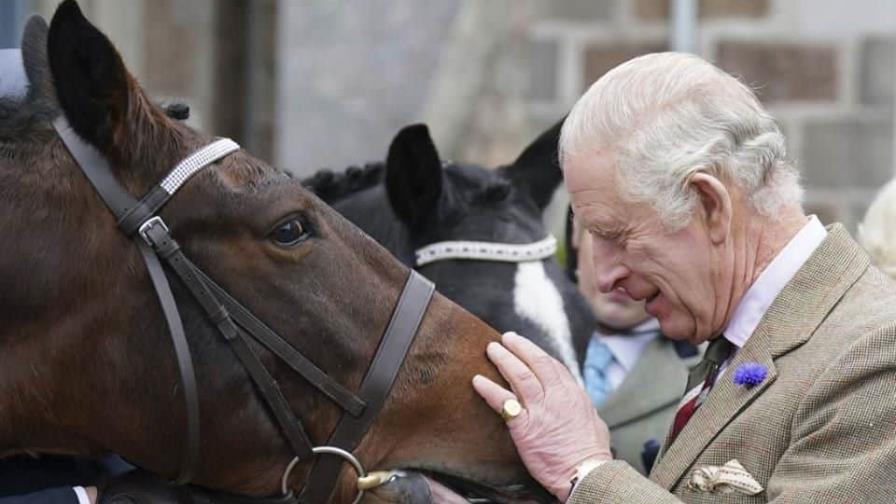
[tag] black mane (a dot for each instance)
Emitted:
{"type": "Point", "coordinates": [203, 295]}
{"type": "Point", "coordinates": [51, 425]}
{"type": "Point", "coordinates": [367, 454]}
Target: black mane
{"type": "Point", "coordinates": [331, 186]}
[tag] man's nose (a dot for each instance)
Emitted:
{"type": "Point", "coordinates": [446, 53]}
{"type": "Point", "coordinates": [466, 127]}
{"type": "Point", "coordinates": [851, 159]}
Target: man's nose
{"type": "Point", "coordinates": [610, 277]}
{"type": "Point", "coordinates": [608, 270]}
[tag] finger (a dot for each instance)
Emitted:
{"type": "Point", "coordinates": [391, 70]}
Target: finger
{"type": "Point", "coordinates": [523, 382]}
{"type": "Point", "coordinates": [495, 396]}
{"type": "Point", "coordinates": [533, 357]}
{"type": "Point", "coordinates": [565, 374]}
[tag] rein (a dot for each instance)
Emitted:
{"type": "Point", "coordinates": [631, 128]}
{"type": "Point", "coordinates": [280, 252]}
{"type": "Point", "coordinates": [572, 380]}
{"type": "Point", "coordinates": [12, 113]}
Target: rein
{"type": "Point", "coordinates": [236, 324]}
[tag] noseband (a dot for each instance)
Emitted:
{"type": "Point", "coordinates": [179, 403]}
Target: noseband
{"type": "Point", "coordinates": [140, 221]}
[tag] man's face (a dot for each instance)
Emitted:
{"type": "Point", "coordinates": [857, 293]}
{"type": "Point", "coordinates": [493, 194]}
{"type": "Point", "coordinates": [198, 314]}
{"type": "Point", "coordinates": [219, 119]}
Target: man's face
{"type": "Point", "coordinates": [675, 273]}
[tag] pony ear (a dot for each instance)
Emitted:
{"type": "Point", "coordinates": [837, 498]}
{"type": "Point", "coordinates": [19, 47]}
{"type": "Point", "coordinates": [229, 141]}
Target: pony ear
{"type": "Point", "coordinates": [92, 84]}
{"type": "Point", "coordinates": [537, 169]}
{"type": "Point", "coordinates": [413, 175]}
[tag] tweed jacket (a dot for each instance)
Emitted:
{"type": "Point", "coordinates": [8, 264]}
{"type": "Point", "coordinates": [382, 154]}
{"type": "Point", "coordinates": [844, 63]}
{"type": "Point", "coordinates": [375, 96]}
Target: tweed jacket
{"type": "Point", "coordinates": [641, 409]}
{"type": "Point", "coordinates": [821, 427]}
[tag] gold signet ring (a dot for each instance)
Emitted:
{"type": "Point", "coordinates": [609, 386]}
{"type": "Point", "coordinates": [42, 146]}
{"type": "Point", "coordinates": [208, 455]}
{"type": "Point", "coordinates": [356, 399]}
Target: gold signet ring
{"type": "Point", "coordinates": [511, 409]}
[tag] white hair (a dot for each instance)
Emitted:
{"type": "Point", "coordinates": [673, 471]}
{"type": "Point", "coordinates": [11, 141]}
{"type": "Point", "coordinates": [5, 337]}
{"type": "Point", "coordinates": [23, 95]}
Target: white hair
{"type": "Point", "coordinates": [877, 232]}
{"type": "Point", "coordinates": [666, 116]}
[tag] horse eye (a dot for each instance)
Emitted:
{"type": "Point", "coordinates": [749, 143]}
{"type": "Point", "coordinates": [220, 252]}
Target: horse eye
{"type": "Point", "coordinates": [289, 233]}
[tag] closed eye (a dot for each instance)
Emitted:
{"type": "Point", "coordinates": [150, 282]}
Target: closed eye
{"type": "Point", "coordinates": [612, 236]}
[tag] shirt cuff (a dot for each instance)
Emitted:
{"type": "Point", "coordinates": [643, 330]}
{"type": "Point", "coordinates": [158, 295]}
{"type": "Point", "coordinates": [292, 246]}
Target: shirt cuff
{"type": "Point", "coordinates": [582, 471]}
{"type": "Point", "coordinates": [81, 493]}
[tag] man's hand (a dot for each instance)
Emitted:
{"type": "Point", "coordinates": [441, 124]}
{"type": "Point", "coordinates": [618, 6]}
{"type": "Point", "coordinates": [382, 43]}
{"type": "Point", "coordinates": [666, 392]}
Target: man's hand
{"type": "Point", "coordinates": [558, 428]}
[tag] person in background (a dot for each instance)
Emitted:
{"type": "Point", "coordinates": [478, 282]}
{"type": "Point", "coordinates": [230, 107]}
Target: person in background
{"type": "Point", "coordinates": [633, 374]}
{"type": "Point", "coordinates": [51, 479]}
{"type": "Point", "coordinates": [877, 232]}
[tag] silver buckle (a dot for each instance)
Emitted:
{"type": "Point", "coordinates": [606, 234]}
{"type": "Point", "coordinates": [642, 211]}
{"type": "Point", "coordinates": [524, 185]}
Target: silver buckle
{"type": "Point", "coordinates": [146, 226]}
{"type": "Point", "coordinates": [330, 450]}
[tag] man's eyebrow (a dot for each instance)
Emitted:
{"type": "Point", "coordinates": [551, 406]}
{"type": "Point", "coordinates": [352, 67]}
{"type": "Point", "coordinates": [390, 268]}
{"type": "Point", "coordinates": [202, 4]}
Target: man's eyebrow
{"type": "Point", "coordinates": [611, 230]}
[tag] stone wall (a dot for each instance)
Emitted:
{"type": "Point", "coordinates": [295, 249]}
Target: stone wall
{"type": "Point", "coordinates": [321, 83]}
{"type": "Point", "coordinates": [825, 71]}
{"type": "Point", "coordinates": [351, 74]}
{"type": "Point", "coordinates": [216, 56]}
{"type": "Point", "coordinates": [505, 70]}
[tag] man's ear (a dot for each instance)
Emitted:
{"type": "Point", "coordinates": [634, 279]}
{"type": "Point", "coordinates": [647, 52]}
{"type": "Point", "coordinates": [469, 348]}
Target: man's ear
{"type": "Point", "coordinates": [92, 84]}
{"type": "Point", "coordinates": [715, 205]}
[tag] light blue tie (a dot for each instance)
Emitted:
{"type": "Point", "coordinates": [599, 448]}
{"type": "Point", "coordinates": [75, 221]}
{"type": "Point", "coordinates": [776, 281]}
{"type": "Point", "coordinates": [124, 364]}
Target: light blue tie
{"type": "Point", "coordinates": [597, 361]}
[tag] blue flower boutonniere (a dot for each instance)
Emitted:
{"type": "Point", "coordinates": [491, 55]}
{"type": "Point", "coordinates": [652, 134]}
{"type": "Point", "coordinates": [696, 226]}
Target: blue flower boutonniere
{"type": "Point", "coordinates": [749, 374]}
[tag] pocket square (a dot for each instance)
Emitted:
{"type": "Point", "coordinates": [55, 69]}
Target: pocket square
{"type": "Point", "coordinates": [731, 477]}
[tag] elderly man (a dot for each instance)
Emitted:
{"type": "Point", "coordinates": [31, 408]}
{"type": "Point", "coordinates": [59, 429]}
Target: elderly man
{"type": "Point", "coordinates": [679, 176]}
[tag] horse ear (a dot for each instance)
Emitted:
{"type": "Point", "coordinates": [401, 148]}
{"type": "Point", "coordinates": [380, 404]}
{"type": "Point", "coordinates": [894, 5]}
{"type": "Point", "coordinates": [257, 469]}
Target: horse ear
{"type": "Point", "coordinates": [92, 84]}
{"type": "Point", "coordinates": [413, 175]}
{"type": "Point", "coordinates": [537, 169]}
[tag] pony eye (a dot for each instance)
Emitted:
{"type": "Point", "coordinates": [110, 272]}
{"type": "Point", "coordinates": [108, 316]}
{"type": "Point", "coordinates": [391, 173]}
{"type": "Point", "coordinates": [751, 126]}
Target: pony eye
{"type": "Point", "coordinates": [289, 233]}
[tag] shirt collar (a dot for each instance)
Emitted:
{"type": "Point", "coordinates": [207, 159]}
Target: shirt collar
{"type": "Point", "coordinates": [771, 281]}
{"type": "Point", "coordinates": [627, 349]}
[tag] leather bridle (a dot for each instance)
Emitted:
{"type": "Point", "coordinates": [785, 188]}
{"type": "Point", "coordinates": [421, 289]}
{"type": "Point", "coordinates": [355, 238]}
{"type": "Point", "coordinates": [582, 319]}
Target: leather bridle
{"type": "Point", "coordinates": [139, 220]}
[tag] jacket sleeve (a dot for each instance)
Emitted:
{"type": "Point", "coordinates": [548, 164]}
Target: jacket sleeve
{"type": "Point", "coordinates": [62, 495]}
{"type": "Point", "coordinates": [616, 482]}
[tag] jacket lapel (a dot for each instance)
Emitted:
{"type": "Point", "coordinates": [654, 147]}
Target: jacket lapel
{"type": "Point", "coordinates": [656, 382]}
{"type": "Point", "coordinates": [789, 322]}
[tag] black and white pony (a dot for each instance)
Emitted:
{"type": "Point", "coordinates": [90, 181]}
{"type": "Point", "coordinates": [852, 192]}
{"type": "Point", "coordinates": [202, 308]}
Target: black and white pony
{"type": "Point", "coordinates": [477, 233]}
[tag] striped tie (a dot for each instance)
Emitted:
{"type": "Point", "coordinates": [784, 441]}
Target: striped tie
{"type": "Point", "coordinates": [704, 373]}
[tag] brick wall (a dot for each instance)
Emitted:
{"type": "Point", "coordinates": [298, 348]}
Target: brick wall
{"type": "Point", "coordinates": [827, 74]}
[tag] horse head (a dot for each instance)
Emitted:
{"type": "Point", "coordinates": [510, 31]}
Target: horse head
{"type": "Point", "coordinates": [415, 200]}
{"type": "Point", "coordinates": [88, 364]}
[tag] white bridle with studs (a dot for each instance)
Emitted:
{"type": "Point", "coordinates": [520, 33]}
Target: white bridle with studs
{"type": "Point", "coordinates": [486, 251]}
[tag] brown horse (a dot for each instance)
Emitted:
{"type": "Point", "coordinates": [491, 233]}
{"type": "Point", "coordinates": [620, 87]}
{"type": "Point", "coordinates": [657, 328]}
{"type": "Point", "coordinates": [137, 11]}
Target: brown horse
{"type": "Point", "coordinates": [87, 363]}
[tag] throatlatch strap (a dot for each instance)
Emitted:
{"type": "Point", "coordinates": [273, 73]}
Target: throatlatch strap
{"type": "Point", "coordinates": [120, 202]}
{"type": "Point", "coordinates": [375, 387]}
{"type": "Point", "coordinates": [184, 361]}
